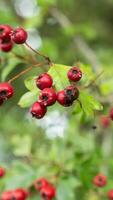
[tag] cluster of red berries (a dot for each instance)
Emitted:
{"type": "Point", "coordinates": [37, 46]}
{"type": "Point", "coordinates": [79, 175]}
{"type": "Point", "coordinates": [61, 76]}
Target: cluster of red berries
{"type": "Point", "coordinates": [46, 189]}
{"type": "Point", "coordinates": [48, 95]}
{"type": "Point", "coordinates": [106, 120]}
{"type": "Point", "coordinates": [17, 194]}
{"type": "Point", "coordinates": [100, 180]}
{"type": "Point", "coordinates": [9, 36]}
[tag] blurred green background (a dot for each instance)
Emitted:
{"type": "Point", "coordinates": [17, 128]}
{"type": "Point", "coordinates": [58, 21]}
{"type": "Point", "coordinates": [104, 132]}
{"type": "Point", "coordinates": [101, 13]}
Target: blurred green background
{"type": "Point", "coordinates": [63, 144]}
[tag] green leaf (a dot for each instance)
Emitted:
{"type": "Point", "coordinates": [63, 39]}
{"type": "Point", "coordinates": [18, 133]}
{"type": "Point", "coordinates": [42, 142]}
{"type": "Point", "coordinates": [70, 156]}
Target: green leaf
{"type": "Point", "coordinates": [30, 83]}
{"type": "Point", "coordinates": [89, 104]}
{"type": "Point", "coordinates": [59, 75]}
{"type": "Point", "coordinates": [28, 99]}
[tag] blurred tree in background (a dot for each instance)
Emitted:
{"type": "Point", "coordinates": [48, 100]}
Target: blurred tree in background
{"type": "Point", "coordinates": [67, 143]}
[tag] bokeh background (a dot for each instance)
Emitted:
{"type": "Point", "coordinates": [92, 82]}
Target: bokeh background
{"type": "Point", "coordinates": [63, 144]}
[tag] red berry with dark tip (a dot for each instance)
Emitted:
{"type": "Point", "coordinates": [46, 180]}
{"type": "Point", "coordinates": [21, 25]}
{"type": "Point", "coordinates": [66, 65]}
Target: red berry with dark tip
{"type": "Point", "coordinates": [19, 194]}
{"type": "Point", "coordinates": [48, 192]}
{"type": "Point", "coordinates": [44, 81]}
{"type": "Point", "coordinates": [19, 36]}
{"type": "Point", "coordinates": [67, 96]}
{"type": "Point", "coordinates": [6, 90]}
{"type": "Point", "coordinates": [47, 97]}
{"type": "Point", "coordinates": [7, 195]}
{"type": "Point", "coordinates": [2, 172]}
{"type": "Point", "coordinates": [100, 180]}
{"type": "Point", "coordinates": [111, 114]}
{"type": "Point", "coordinates": [105, 121]}
{"type": "Point", "coordinates": [38, 111]}
{"type": "Point", "coordinates": [74, 74]}
{"type": "Point", "coordinates": [5, 31]}
{"type": "Point", "coordinates": [110, 194]}
{"type": "Point", "coordinates": [6, 45]}
{"type": "Point", "coordinates": [40, 183]}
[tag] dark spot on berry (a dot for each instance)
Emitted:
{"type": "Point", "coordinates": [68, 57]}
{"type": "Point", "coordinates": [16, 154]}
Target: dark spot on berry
{"type": "Point", "coordinates": [3, 93]}
{"type": "Point", "coordinates": [74, 71]}
{"type": "Point", "coordinates": [1, 30]}
{"type": "Point", "coordinates": [45, 97]}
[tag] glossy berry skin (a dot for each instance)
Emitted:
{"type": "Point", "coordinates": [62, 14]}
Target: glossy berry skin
{"type": "Point", "coordinates": [2, 172]}
{"type": "Point", "coordinates": [100, 180]}
{"type": "Point", "coordinates": [105, 121]}
{"type": "Point", "coordinates": [48, 192]}
{"type": "Point", "coordinates": [6, 45]}
{"type": "Point", "coordinates": [6, 90]}
{"type": "Point", "coordinates": [44, 81]}
{"type": "Point", "coordinates": [7, 195]}
{"type": "Point", "coordinates": [38, 111]}
{"type": "Point", "coordinates": [47, 97]}
{"type": "Point", "coordinates": [5, 31]}
{"type": "Point", "coordinates": [74, 74]}
{"type": "Point", "coordinates": [111, 114]}
{"type": "Point", "coordinates": [19, 194]}
{"type": "Point", "coordinates": [19, 36]}
{"type": "Point", "coordinates": [40, 183]}
{"type": "Point", "coordinates": [67, 96]}
{"type": "Point", "coordinates": [110, 194]}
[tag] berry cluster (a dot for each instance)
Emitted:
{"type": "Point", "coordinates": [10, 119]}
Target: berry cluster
{"type": "Point", "coordinates": [106, 120]}
{"type": "Point", "coordinates": [17, 194]}
{"type": "Point", "coordinates": [46, 189]}
{"type": "Point", "coordinates": [49, 96]}
{"type": "Point", "coordinates": [100, 180]}
{"type": "Point", "coordinates": [9, 36]}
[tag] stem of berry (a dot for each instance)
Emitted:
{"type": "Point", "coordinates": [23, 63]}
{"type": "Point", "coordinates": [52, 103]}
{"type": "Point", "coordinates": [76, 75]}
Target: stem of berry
{"type": "Point", "coordinates": [94, 80]}
{"type": "Point", "coordinates": [24, 72]}
{"type": "Point", "coordinates": [40, 54]}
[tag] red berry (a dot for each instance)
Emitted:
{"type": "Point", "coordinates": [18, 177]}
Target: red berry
{"type": "Point", "coordinates": [6, 90]}
{"type": "Point", "coordinates": [2, 172]}
{"type": "Point", "coordinates": [48, 192]}
{"type": "Point", "coordinates": [111, 114]}
{"type": "Point", "coordinates": [44, 81]}
{"type": "Point", "coordinates": [100, 180]}
{"type": "Point", "coordinates": [19, 36]}
{"type": "Point", "coordinates": [40, 183]}
{"type": "Point", "coordinates": [5, 31]}
{"type": "Point", "coordinates": [6, 45]}
{"type": "Point", "coordinates": [38, 111]}
{"type": "Point", "coordinates": [110, 194]}
{"type": "Point", "coordinates": [19, 194]}
{"type": "Point", "coordinates": [6, 195]}
{"type": "Point", "coordinates": [105, 121]}
{"type": "Point", "coordinates": [47, 97]}
{"type": "Point", "coordinates": [67, 96]}
{"type": "Point", "coordinates": [74, 74]}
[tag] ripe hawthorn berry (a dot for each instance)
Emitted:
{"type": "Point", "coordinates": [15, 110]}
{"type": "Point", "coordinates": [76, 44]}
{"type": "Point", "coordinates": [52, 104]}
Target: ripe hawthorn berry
{"type": "Point", "coordinates": [111, 114]}
{"type": "Point", "coordinates": [48, 192]}
{"type": "Point", "coordinates": [6, 90]}
{"type": "Point", "coordinates": [2, 172]}
{"type": "Point", "coordinates": [6, 45]}
{"type": "Point", "coordinates": [110, 194]}
{"type": "Point", "coordinates": [74, 74]}
{"type": "Point", "coordinates": [47, 97]}
{"type": "Point", "coordinates": [7, 195]}
{"type": "Point", "coordinates": [37, 110]}
{"type": "Point", "coordinates": [19, 36]}
{"type": "Point", "coordinates": [5, 31]}
{"type": "Point", "coordinates": [40, 183]}
{"type": "Point", "coordinates": [19, 194]}
{"type": "Point", "coordinates": [67, 96]}
{"type": "Point", "coordinates": [100, 180]}
{"type": "Point", "coordinates": [105, 121]}
{"type": "Point", "coordinates": [44, 81]}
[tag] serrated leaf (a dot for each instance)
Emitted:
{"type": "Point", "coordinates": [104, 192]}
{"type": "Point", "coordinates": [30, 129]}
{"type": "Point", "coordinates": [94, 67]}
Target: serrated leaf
{"type": "Point", "coordinates": [28, 99]}
{"type": "Point", "coordinates": [30, 83]}
{"type": "Point", "coordinates": [89, 104]}
{"type": "Point", "coordinates": [59, 75]}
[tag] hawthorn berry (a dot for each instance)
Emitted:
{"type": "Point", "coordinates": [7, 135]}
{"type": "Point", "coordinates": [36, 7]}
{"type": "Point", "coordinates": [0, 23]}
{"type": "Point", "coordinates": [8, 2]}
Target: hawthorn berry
{"type": "Point", "coordinates": [100, 180]}
{"type": "Point", "coordinates": [74, 74]}
{"type": "Point", "coordinates": [5, 31]}
{"type": "Point", "coordinates": [19, 194]}
{"type": "Point", "coordinates": [67, 96]}
{"type": "Point", "coordinates": [40, 183]}
{"type": "Point", "coordinates": [105, 121]}
{"type": "Point", "coordinates": [47, 97]}
{"type": "Point", "coordinates": [48, 192]}
{"type": "Point", "coordinates": [44, 81]}
{"type": "Point", "coordinates": [2, 172]}
{"type": "Point", "coordinates": [7, 195]}
{"type": "Point", "coordinates": [111, 114]}
{"type": "Point", "coordinates": [38, 111]}
{"type": "Point", "coordinates": [19, 36]}
{"type": "Point", "coordinates": [110, 194]}
{"type": "Point", "coordinates": [6, 45]}
{"type": "Point", "coordinates": [6, 90]}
